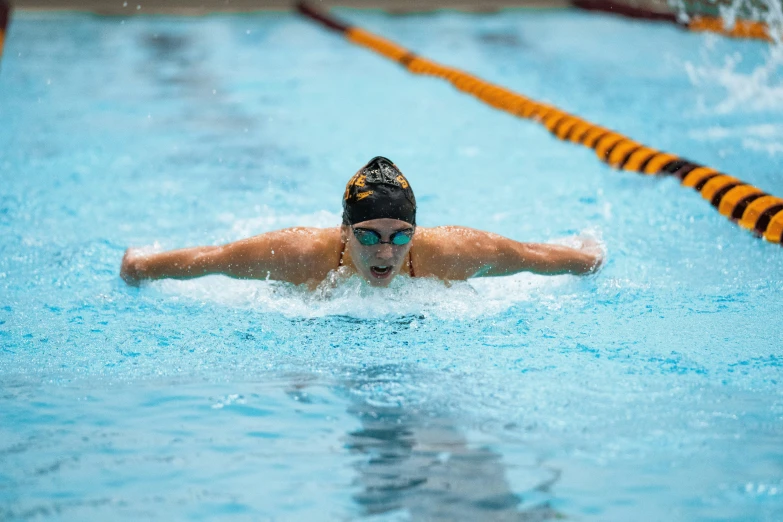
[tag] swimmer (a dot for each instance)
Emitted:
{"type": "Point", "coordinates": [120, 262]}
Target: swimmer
{"type": "Point", "coordinates": [378, 240]}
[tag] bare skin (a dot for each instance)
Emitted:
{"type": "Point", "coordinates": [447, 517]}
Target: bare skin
{"type": "Point", "coordinates": [307, 255]}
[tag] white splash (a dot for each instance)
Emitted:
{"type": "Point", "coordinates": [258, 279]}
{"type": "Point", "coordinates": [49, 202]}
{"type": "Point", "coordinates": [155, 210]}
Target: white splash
{"type": "Point", "coordinates": [354, 298]}
{"type": "Point", "coordinates": [760, 89]}
{"type": "Point", "coordinates": [764, 138]}
{"type": "Point", "coordinates": [771, 148]}
{"type": "Point", "coordinates": [348, 295]}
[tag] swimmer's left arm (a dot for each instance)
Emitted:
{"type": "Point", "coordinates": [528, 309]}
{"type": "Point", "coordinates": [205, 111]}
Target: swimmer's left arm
{"type": "Point", "coordinates": [546, 259]}
{"type": "Point", "coordinates": [459, 253]}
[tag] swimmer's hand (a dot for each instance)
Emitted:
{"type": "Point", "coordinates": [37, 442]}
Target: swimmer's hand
{"type": "Point", "coordinates": [131, 270]}
{"type": "Point", "coordinates": [594, 251]}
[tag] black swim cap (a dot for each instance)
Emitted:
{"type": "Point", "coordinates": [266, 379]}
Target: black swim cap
{"type": "Point", "coordinates": [378, 190]}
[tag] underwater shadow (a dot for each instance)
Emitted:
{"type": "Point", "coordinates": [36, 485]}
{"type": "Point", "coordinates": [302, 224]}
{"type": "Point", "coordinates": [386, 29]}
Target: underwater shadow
{"type": "Point", "coordinates": [418, 462]}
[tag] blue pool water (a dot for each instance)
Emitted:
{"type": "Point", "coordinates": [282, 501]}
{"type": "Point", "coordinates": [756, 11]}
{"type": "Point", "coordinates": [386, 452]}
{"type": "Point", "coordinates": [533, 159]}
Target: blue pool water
{"type": "Point", "coordinates": [651, 391]}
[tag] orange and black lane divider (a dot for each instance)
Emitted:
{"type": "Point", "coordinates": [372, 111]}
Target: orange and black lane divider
{"type": "Point", "coordinates": [5, 14]}
{"type": "Point", "coordinates": [742, 28]}
{"type": "Point", "coordinates": [700, 23]}
{"type": "Point", "coordinates": [741, 202]}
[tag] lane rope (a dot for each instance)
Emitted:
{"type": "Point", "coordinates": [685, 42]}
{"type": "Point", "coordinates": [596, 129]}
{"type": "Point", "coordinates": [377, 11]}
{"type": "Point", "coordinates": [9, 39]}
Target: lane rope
{"type": "Point", "coordinates": [5, 14]}
{"type": "Point", "coordinates": [741, 202]}
{"type": "Point", "coordinates": [699, 23]}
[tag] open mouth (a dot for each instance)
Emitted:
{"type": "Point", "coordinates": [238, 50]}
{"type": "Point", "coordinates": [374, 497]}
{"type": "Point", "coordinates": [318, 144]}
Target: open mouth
{"type": "Point", "coordinates": [380, 271]}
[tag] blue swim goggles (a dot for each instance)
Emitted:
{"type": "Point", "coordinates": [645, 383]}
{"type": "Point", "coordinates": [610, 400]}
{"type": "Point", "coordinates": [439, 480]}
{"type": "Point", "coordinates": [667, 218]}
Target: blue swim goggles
{"type": "Point", "coordinates": [369, 237]}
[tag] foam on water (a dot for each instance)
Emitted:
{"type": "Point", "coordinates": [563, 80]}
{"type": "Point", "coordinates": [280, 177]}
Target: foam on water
{"type": "Point", "coordinates": [758, 90]}
{"type": "Point", "coordinates": [767, 137]}
{"type": "Point", "coordinates": [751, 79]}
{"type": "Point", "coordinates": [352, 297]}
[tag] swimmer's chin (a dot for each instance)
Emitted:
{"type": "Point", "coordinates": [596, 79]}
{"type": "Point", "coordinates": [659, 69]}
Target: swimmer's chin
{"type": "Point", "coordinates": [380, 279]}
{"type": "Point", "coordinates": [342, 275]}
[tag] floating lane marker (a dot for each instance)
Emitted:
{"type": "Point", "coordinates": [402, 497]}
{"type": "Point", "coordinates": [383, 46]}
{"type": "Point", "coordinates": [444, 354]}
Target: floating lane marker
{"type": "Point", "coordinates": [700, 23]}
{"type": "Point", "coordinates": [5, 11]}
{"type": "Point", "coordinates": [742, 28]}
{"type": "Point", "coordinates": [741, 202]}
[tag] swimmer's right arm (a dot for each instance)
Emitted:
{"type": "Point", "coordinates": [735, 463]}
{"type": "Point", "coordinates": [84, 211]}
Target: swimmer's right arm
{"type": "Point", "coordinates": [296, 255]}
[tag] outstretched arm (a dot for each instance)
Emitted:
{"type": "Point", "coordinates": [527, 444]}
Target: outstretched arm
{"type": "Point", "coordinates": [297, 255]}
{"type": "Point", "coordinates": [458, 253]}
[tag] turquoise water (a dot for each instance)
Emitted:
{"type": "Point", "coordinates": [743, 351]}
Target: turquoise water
{"type": "Point", "coordinates": [651, 391]}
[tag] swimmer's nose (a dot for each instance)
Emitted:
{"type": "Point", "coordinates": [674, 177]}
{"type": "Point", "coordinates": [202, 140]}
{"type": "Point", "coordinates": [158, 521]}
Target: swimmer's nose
{"type": "Point", "coordinates": [385, 252]}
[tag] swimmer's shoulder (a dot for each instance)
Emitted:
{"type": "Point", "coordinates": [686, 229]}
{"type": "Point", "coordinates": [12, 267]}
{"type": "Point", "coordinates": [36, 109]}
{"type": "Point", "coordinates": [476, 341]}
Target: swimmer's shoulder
{"type": "Point", "coordinates": [304, 254]}
{"type": "Point", "coordinates": [318, 249]}
{"type": "Point", "coordinates": [324, 251]}
{"type": "Point", "coordinates": [437, 251]}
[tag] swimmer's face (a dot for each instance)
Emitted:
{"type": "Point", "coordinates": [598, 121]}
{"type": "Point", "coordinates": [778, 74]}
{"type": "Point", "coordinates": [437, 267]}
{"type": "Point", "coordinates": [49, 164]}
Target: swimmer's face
{"type": "Point", "coordinates": [379, 263]}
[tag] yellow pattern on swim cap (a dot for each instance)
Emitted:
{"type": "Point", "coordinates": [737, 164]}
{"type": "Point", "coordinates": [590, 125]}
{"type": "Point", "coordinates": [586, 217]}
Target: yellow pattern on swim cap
{"type": "Point", "coordinates": [379, 190]}
{"type": "Point", "coordinates": [349, 185]}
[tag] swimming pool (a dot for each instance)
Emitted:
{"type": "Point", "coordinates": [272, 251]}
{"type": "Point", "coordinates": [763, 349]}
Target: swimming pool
{"type": "Point", "coordinates": [648, 392]}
